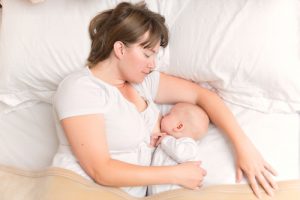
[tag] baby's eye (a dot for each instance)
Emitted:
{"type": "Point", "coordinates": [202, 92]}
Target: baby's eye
{"type": "Point", "coordinates": [146, 55]}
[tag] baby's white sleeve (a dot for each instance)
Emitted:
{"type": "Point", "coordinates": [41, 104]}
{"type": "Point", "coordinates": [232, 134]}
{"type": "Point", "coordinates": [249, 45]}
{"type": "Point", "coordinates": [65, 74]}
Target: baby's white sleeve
{"type": "Point", "coordinates": [181, 150]}
{"type": "Point", "coordinates": [79, 97]}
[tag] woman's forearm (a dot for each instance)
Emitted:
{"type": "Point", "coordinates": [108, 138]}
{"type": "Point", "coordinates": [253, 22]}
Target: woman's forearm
{"type": "Point", "coordinates": [222, 117]}
{"type": "Point", "coordinates": [119, 174]}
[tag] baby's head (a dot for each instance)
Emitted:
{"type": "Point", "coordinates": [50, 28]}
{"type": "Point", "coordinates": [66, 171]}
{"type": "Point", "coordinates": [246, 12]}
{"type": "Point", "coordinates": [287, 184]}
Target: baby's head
{"type": "Point", "coordinates": [185, 120]}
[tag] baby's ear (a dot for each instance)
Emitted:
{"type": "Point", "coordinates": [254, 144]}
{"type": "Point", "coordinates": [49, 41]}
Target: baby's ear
{"type": "Point", "coordinates": [179, 127]}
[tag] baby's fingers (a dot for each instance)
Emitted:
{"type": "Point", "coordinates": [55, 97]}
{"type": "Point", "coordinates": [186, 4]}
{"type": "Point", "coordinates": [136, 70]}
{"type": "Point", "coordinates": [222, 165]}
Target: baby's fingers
{"type": "Point", "coordinates": [156, 138]}
{"type": "Point", "coordinates": [158, 141]}
{"type": "Point", "coordinates": [153, 140]}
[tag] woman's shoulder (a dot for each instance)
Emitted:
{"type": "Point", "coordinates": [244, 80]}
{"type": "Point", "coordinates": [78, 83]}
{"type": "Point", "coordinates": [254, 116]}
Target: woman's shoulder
{"type": "Point", "coordinates": [80, 85]}
{"type": "Point", "coordinates": [79, 94]}
{"type": "Point", "coordinates": [80, 80]}
{"type": "Point", "coordinates": [75, 78]}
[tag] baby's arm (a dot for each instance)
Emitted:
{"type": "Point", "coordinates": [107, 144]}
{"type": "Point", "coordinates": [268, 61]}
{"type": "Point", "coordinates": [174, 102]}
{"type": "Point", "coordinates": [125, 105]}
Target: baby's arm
{"type": "Point", "coordinates": [181, 150]}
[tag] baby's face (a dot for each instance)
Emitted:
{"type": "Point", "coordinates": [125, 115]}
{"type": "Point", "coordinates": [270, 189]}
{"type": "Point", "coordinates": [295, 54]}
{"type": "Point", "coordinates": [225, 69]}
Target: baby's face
{"type": "Point", "coordinates": [167, 124]}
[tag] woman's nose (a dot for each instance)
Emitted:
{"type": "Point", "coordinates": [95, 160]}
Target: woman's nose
{"type": "Point", "coordinates": [151, 64]}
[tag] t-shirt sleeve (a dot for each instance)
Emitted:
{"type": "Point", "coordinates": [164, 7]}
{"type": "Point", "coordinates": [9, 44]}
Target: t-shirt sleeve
{"type": "Point", "coordinates": [152, 82]}
{"type": "Point", "coordinates": [79, 97]}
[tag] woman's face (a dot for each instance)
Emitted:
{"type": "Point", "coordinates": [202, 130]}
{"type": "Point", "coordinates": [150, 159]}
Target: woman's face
{"type": "Point", "coordinates": [138, 62]}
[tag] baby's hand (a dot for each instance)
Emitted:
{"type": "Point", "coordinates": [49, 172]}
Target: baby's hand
{"type": "Point", "coordinates": [156, 138]}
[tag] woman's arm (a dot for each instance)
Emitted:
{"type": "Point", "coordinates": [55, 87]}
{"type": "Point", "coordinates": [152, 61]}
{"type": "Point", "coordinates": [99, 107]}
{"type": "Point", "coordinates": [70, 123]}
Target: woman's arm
{"type": "Point", "coordinates": [86, 135]}
{"type": "Point", "coordinates": [249, 161]}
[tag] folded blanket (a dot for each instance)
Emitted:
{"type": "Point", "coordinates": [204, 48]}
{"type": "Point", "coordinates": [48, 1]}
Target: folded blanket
{"type": "Point", "coordinates": [61, 184]}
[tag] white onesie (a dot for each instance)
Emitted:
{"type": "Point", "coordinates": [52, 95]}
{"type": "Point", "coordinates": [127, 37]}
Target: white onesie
{"type": "Point", "coordinates": [127, 130]}
{"type": "Point", "coordinates": [172, 151]}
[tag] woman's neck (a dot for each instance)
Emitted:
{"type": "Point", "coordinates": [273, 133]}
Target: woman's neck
{"type": "Point", "coordinates": [108, 72]}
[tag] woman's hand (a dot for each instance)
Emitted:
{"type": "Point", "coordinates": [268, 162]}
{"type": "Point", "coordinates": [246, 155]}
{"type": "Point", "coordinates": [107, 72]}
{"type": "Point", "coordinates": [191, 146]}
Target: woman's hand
{"type": "Point", "coordinates": [258, 171]}
{"type": "Point", "coordinates": [190, 174]}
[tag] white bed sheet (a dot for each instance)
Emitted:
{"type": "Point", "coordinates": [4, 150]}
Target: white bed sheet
{"type": "Point", "coordinates": [28, 137]}
{"type": "Point", "coordinates": [28, 141]}
{"type": "Point", "coordinates": [275, 135]}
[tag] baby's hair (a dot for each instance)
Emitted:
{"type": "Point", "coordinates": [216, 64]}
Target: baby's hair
{"type": "Point", "coordinates": [126, 23]}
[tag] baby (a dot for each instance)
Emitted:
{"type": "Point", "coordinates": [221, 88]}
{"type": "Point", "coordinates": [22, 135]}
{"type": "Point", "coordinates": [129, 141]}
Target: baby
{"type": "Point", "coordinates": [176, 139]}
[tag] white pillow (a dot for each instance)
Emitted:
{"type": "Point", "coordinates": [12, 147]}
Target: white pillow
{"type": "Point", "coordinates": [36, 1]}
{"type": "Point", "coordinates": [246, 49]}
{"type": "Point", "coordinates": [41, 46]}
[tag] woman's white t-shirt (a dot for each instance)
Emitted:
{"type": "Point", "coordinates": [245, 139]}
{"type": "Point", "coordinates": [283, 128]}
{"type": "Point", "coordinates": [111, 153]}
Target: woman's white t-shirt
{"type": "Point", "coordinates": [127, 130]}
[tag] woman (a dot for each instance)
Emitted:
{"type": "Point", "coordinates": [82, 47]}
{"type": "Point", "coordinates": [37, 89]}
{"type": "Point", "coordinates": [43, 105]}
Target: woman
{"type": "Point", "coordinates": [106, 110]}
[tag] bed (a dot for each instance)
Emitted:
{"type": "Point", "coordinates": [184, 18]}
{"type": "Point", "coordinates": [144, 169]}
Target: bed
{"type": "Point", "coordinates": [247, 51]}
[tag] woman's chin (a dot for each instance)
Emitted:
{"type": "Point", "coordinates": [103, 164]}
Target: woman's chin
{"type": "Point", "coordinates": [138, 80]}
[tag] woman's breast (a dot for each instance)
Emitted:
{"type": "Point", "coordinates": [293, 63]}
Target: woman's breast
{"type": "Point", "coordinates": [125, 128]}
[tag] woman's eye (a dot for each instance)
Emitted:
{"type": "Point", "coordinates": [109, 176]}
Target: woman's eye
{"type": "Point", "coordinates": [147, 56]}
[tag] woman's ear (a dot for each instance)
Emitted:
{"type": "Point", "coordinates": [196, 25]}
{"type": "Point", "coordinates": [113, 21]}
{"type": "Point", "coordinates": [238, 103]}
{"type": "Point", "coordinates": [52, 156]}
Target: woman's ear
{"type": "Point", "coordinates": [119, 49]}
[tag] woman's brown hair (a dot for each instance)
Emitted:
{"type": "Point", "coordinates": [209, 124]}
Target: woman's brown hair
{"type": "Point", "coordinates": [126, 23]}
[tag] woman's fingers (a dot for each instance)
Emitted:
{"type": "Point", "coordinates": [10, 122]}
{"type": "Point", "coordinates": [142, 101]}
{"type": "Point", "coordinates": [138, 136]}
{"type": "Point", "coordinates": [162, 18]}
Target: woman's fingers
{"type": "Point", "coordinates": [199, 186]}
{"type": "Point", "coordinates": [257, 171]}
{"type": "Point", "coordinates": [265, 184]}
{"type": "Point", "coordinates": [239, 175]}
{"type": "Point", "coordinates": [198, 163]}
{"type": "Point", "coordinates": [254, 186]}
{"type": "Point", "coordinates": [269, 178]}
{"type": "Point", "coordinates": [192, 174]}
{"type": "Point", "coordinates": [265, 180]}
{"type": "Point", "coordinates": [204, 172]}
{"type": "Point", "coordinates": [270, 169]}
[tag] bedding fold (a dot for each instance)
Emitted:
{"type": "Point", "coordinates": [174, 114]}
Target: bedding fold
{"type": "Point", "coordinates": [61, 184]}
